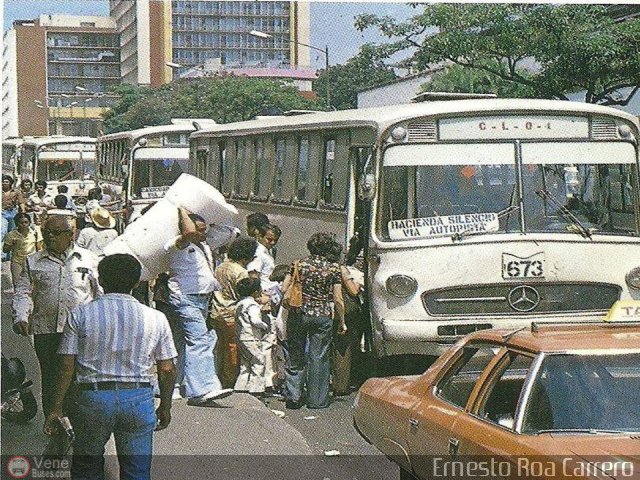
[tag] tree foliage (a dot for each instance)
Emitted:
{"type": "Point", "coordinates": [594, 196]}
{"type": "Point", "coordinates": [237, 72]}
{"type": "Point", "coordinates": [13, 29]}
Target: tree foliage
{"type": "Point", "coordinates": [359, 72]}
{"type": "Point", "coordinates": [460, 79]}
{"type": "Point", "coordinates": [224, 99]}
{"type": "Point", "coordinates": [552, 49]}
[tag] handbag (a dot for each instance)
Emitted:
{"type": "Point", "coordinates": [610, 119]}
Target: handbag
{"type": "Point", "coordinates": [293, 296]}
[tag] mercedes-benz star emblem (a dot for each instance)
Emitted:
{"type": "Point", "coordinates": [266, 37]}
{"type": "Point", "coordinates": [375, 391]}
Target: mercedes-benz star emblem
{"type": "Point", "coordinates": [523, 298]}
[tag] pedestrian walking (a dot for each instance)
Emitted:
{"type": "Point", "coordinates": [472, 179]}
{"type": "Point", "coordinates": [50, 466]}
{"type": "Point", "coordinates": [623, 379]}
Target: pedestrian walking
{"type": "Point", "coordinates": [309, 328]}
{"type": "Point", "coordinates": [100, 233]}
{"type": "Point", "coordinates": [110, 345]}
{"type": "Point", "coordinates": [254, 221]}
{"type": "Point", "coordinates": [40, 201]}
{"type": "Point", "coordinates": [251, 331]}
{"type": "Point", "coordinates": [223, 306]}
{"type": "Point", "coordinates": [55, 280]}
{"type": "Point", "coordinates": [191, 284]}
{"type": "Point", "coordinates": [22, 242]}
{"type": "Point", "coordinates": [12, 203]}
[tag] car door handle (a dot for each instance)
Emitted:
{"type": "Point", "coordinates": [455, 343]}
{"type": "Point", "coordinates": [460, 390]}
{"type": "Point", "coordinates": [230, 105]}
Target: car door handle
{"type": "Point", "coordinates": [454, 444]}
{"type": "Point", "coordinates": [413, 423]}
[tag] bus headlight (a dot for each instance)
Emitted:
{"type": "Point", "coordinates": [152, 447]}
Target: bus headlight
{"type": "Point", "coordinates": [401, 285]}
{"type": "Point", "coordinates": [633, 278]}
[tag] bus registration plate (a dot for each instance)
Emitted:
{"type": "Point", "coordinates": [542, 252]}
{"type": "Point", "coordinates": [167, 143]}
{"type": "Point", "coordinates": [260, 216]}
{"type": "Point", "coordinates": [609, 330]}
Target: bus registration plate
{"type": "Point", "coordinates": [514, 267]}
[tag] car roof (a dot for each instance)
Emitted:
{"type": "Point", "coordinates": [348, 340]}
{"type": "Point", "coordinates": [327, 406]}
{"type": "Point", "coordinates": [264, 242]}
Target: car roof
{"type": "Point", "coordinates": [556, 338]}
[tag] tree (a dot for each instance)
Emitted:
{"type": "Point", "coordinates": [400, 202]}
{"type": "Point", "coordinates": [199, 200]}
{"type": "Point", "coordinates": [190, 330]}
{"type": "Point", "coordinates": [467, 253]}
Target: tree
{"type": "Point", "coordinates": [553, 49]}
{"type": "Point", "coordinates": [359, 72]}
{"type": "Point", "coordinates": [224, 99]}
{"type": "Point", "coordinates": [460, 79]}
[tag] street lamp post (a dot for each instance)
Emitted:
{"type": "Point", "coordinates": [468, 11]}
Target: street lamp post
{"type": "Point", "coordinates": [325, 51]}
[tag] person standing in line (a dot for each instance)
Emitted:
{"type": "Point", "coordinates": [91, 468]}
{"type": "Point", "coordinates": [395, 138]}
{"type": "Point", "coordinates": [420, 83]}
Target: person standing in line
{"type": "Point", "coordinates": [26, 188]}
{"type": "Point", "coordinates": [22, 242]}
{"type": "Point", "coordinates": [100, 234]}
{"type": "Point", "coordinates": [239, 253]}
{"type": "Point", "coordinates": [309, 328]}
{"type": "Point", "coordinates": [191, 284]}
{"type": "Point", "coordinates": [64, 190]}
{"type": "Point", "coordinates": [262, 267]}
{"type": "Point", "coordinates": [251, 331]}
{"type": "Point", "coordinates": [55, 280]}
{"type": "Point", "coordinates": [111, 345]}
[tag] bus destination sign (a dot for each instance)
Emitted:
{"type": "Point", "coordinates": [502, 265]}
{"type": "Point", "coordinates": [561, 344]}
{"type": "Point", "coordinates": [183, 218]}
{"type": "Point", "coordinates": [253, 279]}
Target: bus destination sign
{"type": "Point", "coordinates": [513, 127]}
{"type": "Point", "coordinates": [153, 192]}
{"type": "Point", "coordinates": [429, 227]}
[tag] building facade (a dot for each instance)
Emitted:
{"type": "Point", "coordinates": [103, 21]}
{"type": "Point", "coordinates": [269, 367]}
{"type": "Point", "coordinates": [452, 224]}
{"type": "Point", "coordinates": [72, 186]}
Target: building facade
{"type": "Point", "coordinates": [58, 69]}
{"type": "Point", "coordinates": [187, 34]}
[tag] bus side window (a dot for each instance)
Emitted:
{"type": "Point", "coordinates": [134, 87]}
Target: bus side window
{"type": "Point", "coordinates": [201, 163]}
{"type": "Point", "coordinates": [278, 173]}
{"type": "Point", "coordinates": [222, 166]}
{"type": "Point", "coordinates": [328, 167]}
{"type": "Point", "coordinates": [230, 164]}
{"type": "Point", "coordinates": [302, 169]}
{"type": "Point", "coordinates": [242, 164]}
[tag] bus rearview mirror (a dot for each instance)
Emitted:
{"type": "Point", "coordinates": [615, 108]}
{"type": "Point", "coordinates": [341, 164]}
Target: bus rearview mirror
{"type": "Point", "coordinates": [367, 187]}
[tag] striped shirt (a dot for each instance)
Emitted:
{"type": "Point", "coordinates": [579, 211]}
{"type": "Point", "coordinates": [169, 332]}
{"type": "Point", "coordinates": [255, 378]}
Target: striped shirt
{"type": "Point", "coordinates": [116, 338]}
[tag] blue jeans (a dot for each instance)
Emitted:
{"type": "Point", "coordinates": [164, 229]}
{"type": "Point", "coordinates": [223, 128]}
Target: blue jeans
{"type": "Point", "coordinates": [130, 415]}
{"type": "Point", "coordinates": [8, 224]}
{"type": "Point", "coordinates": [195, 344]}
{"type": "Point", "coordinates": [308, 342]}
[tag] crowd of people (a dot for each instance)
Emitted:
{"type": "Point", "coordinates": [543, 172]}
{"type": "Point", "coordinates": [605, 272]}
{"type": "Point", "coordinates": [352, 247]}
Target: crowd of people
{"type": "Point", "coordinates": [219, 325]}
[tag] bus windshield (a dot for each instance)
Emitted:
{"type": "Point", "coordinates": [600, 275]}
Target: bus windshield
{"type": "Point", "coordinates": [428, 192]}
{"type": "Point", "coordinates": [62, 170]}
{"type": "Point", "coordinates": [157, 172]}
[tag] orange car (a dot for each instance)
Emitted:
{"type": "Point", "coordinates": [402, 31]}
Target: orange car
{"type": "Point", "coordinates": [556, 401]}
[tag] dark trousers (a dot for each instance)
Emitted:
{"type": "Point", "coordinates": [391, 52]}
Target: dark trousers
{"type": "Point", "coordinates": [46, 345]}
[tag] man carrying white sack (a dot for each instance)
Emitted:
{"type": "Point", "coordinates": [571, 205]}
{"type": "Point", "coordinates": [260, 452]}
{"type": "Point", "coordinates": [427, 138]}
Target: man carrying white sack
{"type": "Point", "coordinates": [191, 284]}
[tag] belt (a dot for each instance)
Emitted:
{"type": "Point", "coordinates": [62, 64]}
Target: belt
{"type": "Point", "coordinates": [113, 385]}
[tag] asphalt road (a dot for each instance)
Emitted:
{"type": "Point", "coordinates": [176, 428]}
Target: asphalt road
{"type": "Point", "coordinates": [240, 439]}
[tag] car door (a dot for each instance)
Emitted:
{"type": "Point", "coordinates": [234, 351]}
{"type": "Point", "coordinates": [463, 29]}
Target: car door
{"type": "Point", "coordinates": [432, 419]}
{"type": "Point", "coordinates": [489, 426]}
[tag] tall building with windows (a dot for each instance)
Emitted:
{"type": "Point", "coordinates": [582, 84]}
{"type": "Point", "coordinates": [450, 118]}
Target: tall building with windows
{"type": "Point", "coordinates": [187, 34]}
{"type": "Point", "coordinates": [58, 69]}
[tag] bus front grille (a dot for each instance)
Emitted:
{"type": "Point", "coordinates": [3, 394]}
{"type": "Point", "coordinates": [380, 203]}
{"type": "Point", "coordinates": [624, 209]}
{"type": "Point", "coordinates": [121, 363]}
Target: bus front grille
{"type": "Point", "coordinates": [521, 298]}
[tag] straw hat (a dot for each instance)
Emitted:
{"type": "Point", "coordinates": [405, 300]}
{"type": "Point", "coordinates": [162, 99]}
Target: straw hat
{"type": "Point", "coordinates": [102, 218]}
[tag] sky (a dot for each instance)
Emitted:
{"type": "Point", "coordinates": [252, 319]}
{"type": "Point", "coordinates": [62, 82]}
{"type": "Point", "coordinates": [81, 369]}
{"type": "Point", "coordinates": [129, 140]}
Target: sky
{"type": "Point", "coordinates": [331, 22]}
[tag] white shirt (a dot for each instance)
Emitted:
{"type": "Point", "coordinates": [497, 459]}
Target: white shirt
{"type": "Point", "coordinates": [50, 287]}
{"type": "Point", "coordinates": [191, 268]}
{"type": "Point", "coordinates": [264, 265]}
{"type": "Point", "coordinates": [116, 338]}
{"type": "Point", "coordinates": [96, 239]}
{"type": "Point", "coordinates": [249, 324]}
{"type": "Point", "coordinates": [40, 205]}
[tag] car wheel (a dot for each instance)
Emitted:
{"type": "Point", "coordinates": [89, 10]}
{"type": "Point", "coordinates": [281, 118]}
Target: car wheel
{"type": "Point", "coordinates": [404, 475]}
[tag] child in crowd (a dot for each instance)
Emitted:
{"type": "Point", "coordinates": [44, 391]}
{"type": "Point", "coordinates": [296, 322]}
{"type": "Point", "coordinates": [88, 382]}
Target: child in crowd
{"type": "Point", "coordinates": [250, 330]}
{"type": "Point", "coordinates": [22, 242]}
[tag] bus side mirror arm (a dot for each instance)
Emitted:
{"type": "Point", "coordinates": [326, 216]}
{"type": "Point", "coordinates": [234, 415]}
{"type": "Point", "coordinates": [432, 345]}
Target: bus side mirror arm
{"type": "Point", "coordinates": [367, 186]}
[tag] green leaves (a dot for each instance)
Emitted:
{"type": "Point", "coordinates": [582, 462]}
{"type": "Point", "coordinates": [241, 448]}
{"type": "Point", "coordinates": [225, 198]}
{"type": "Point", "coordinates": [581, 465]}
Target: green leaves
{"type": "Point", "coordinates": [544, 50]}
{"type": "Point", "coordinates": [224, 99]}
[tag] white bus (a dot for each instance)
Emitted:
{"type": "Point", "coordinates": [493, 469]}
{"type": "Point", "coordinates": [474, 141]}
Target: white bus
{"type": "Point", "coordinates": [475, 213]}
{"type": "Point", "coordinates": [140, 165]}
{"type": "Point", "coordinates": [11, 157]}
{"type": "Point", "coordinates": [60, 159]}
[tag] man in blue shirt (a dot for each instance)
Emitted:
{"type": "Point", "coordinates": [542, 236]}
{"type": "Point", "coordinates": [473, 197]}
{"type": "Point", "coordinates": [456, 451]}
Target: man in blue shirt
{"type": "Point", "coordinates": [111, 344]}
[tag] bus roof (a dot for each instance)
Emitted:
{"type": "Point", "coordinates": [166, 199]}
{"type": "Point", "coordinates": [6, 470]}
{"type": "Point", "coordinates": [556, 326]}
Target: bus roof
{"type": "Point", "coordinates": [178, 125]}
{"type": "Point", "coordinates": [56, 139]}
{"type": "Point", "coordinates": [382, 117]}
{"type": "Point", "coordinates": [14, 141]}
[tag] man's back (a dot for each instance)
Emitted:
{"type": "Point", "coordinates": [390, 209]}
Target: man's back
{"type": "Point", "coordinates": [117, 339]}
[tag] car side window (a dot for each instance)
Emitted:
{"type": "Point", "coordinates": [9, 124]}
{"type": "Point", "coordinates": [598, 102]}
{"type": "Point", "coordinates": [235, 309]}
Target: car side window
{"type": "Point", "coordinates": [501, 401]}
{"type": "Point", "coordinates": [456, 386]}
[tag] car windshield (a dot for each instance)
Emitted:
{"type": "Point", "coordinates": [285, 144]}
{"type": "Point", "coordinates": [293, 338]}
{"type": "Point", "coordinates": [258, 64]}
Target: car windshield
{"type": "Point", "coordinates": [156, 173]}
{"type": "Point", "coordinates": [587, 393]}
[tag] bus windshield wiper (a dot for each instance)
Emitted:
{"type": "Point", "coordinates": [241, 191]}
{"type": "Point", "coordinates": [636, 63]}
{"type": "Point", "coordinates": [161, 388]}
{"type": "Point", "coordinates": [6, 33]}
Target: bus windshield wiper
{"type": "Point", "coordinates": [456, 237]}
{"type": "Point", "coordinates": [566, 213]}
